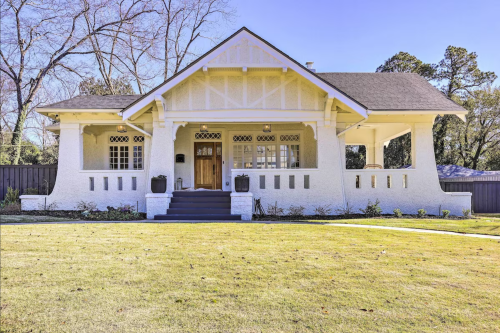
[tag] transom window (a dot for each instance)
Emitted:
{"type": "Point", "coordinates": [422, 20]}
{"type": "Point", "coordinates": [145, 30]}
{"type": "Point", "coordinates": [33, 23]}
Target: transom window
{"type": "Point", "coordinates": [265, 151]}
{"type": "Point", "coordinates": [208, 136]}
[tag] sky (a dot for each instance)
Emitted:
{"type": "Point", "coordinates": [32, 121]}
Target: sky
{"type": "Point", "coordinates": [358, 36]}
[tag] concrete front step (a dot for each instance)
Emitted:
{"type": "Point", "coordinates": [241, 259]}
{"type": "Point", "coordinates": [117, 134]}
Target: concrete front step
{"type": "Point", "coordinates": [199, 211]}
{"type": "Point", "coordinates": [200, 199]}
{"type": "Point", "coordinates": [194, 217]}
{"type": "Point", "coordinates": [226, 205]}
{"type": "Point", "coordinates": [182, 194]}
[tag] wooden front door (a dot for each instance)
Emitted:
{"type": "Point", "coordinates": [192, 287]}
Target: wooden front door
{"type": "Point", "coordinates": [208, 165]}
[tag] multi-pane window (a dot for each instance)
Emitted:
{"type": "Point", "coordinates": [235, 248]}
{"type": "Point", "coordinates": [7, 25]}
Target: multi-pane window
{"type": "Point", "coordinates": [125, 155]}
{"type": "Point", "coordinates": [242, 156]}
{"type": "Point", "coordinates": [264, 151]}
{"type": "Point", "coordinates": [113, 157]}
{"type": "Point", "coordinates": [266, 157]}
{"type": "Point", "coordinates": [290, 156]}
{"type": "Point", "coordinates": [138, 158]}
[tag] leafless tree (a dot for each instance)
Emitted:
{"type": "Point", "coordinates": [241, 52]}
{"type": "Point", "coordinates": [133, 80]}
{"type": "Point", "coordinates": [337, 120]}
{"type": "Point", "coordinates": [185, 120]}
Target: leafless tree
{"type": "Point", "coordinates": [185, 22]}
{"type": "Point", "coordinates": [47, 38]}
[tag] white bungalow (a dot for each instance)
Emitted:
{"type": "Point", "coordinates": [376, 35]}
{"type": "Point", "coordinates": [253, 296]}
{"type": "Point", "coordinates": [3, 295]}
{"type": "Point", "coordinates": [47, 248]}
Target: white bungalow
{"type": "Point", "coordinates": [245, 107]}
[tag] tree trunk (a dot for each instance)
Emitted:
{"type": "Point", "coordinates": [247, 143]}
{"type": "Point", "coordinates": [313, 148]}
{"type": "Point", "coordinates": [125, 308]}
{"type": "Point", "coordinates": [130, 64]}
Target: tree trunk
{"type": "Point", "coordinates": [17, 136]}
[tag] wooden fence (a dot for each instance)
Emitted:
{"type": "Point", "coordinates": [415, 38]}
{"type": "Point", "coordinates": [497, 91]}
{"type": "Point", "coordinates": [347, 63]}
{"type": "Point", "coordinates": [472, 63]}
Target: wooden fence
{"type": "Point", "coordinates": [485, 194]}
{"type": "Point", "coordinates": [42, 177]}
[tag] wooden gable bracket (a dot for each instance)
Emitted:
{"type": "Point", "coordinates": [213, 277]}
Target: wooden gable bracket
{"type": "Point", "coordinates": [92, 134]}
{"type": "Point", "coordinates": [161, 105]}
{"type": "Point", "coordinates": [328, 109]}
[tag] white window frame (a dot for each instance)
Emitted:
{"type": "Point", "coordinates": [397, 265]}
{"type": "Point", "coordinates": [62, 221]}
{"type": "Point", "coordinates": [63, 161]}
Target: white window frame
{"type": "Point", "coordinates": [256, 143]}
{"type": "Point", "coordinates": [130, 144]}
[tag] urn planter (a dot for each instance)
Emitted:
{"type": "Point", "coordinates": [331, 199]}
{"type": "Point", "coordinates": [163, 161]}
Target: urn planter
{"type": "Point", "coordinates": [242, 183]}
{"type": "Point", "coordinates": [159, 184]}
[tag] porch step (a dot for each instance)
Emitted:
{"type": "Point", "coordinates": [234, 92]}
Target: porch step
{"type": "Point", "coordinates": [182, 194]}
{"type": "Point", "coordinates": [185, 204]}
{"type": "Point", "coordinates": [200, 199]}
{"type": "Point", "coordinates": [198, 210]}
{"type": "Point", "coordinates": [199, 205]}
{"type": "Point", "coordinates": [187, 217]}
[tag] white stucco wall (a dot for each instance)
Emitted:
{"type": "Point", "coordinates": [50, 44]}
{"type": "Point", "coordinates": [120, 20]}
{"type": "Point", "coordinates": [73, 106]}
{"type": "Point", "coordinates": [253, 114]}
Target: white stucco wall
{"type": "Point", "coordinates": [73, 183]}
{"type": "Point", "coordinates": [423, 189]}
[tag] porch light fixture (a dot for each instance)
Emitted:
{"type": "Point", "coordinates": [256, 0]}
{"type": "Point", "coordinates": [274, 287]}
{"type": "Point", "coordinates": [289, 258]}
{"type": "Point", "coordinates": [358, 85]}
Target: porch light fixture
{"type": "Point", "coordinates": [121, 129]}
{"type": "Point", "coordinates": [266, 128]}
{"type": "Point", "coordinates": [203, 128]}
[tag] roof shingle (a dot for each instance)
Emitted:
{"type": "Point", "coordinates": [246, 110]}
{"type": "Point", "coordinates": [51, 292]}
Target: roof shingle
{"type": "Point", "coordinates": [95, 102]}
{"type": "Point", "coordinates": [391, 91]}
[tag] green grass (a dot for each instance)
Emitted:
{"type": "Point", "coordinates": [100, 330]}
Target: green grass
{"type": "Point", "coordinates": [30, 218]}
{"type": "Point", "coordinates": [480, 225]}
{"type": "Point", "coordinates": [245, 278]}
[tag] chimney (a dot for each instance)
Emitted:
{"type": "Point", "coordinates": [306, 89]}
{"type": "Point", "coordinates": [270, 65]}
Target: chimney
{"type": "Point", "coordinates": [309, 65]}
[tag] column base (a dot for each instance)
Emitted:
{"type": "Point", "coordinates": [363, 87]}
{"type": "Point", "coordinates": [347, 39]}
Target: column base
{"type": "Point", "coordinates": [157, 203]}
{"type": "Point", "coordinates": [241, 204]}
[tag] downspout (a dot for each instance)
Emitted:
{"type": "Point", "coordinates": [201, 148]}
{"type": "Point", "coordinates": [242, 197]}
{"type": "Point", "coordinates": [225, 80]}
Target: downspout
{"type": "Point", "coordinates": [340, 157]}
{"type": "Point", "coordinates": [137, 128]}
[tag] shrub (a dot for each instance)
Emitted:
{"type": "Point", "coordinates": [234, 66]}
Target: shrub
{"type": "Point", "coordinates": [372, 209]}
{"type": "Point", "coordinates": [86, 206]}
{"type": "Point", "coordinates": [274, 210]}
{"type": "Point", "coordinates": [421, 213]}
{"type": "Point", "coordinates": [346, 211]}
{"type": "Point", "coordinates": [11, 207]}
{"type": "Point", "coordinates": [30, 191]}
{"type": "Point", "coordinates": [323, 210]}
{"type": "Point", "coordinates": [466, 212]}
{"type": "Point", "coordinates": [446, 213]}
{"type": "Point", "coordinates": [12, 196]}
{"type": "Point", "coordinates": [398, 213]}
{"type": "Point", "coordinates": [296, 210]}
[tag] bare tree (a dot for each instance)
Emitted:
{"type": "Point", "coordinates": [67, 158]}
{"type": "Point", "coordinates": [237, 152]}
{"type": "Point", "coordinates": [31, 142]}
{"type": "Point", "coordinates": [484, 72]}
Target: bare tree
{"type": "Point", "coordinates": [39, 39]}
{"type": "Point", "coordinates": [185, 22]}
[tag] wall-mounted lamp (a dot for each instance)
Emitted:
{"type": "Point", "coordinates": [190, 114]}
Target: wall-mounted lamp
{"type": "Point", "coordinates": [266, 128]}
{"type": "Point", "coordinates": [121, 129]}
{"type": "Point", "coordinates": [203, 128]}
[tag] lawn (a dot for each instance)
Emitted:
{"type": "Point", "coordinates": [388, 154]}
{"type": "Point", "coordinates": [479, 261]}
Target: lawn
{"type": "Point", "coordinates": [480, 225]}
{"type": "Point", "coordinates": [245, 278]}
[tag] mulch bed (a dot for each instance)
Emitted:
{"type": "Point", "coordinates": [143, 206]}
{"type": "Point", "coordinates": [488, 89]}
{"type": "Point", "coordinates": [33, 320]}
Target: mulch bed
{"type": "Point", "coordinates": [351, 217]}
{"type": "Point", "coordinates": [77, 215]}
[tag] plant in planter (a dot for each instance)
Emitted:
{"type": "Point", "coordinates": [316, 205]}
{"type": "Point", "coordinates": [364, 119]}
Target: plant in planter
{"type": "Point", "coordinates": [159, 184]}
{"type": "Point", "coordinates": [242, 183]}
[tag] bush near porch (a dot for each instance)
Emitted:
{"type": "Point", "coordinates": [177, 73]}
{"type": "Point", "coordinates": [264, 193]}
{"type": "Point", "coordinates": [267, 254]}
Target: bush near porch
{"type": "Point", "coordinates": [245, 277]}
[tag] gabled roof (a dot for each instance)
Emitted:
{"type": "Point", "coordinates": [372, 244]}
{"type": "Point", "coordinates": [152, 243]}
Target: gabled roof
{"type": "Point", "coordinates": [221, 47]}
{"type": "Point", "coordinates": [94, 102]}
{"type": "Point", "coordinates": [392, 91]}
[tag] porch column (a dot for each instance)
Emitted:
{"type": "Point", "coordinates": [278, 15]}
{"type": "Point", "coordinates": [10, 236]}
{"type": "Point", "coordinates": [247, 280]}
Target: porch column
{"type": "Point", "coordinates": [422, 148]}
{"type": "Point", "coordinates": [161, 161]}
{"type": "Point", "coordinates": [379, 153]}
{"type": "Point", "coordinates": [370, 153]}
{"type": "Point", "coordinates": [327, 184]}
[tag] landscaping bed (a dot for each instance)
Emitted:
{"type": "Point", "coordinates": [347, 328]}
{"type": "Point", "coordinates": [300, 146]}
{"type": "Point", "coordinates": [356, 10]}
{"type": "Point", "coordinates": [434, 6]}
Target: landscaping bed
{"type": "Point", "coordinates": [114, 215]}
{"type": "Point", "coordinates": [349, 217]}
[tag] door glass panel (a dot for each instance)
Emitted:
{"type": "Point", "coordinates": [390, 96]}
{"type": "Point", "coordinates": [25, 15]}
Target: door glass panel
{"type": "Point", "coordinates": [219, 149]}
{"type": "Point", "coordinates": [204, 149]}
